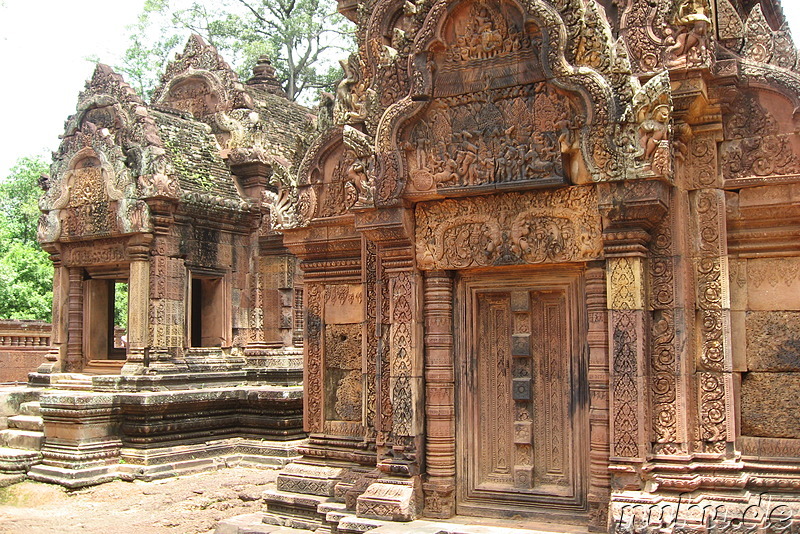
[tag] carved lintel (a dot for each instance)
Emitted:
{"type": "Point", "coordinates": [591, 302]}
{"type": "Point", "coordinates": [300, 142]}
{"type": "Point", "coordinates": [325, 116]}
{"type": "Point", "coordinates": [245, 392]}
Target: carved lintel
{"type": "Point", "coordinates": [558, 226]}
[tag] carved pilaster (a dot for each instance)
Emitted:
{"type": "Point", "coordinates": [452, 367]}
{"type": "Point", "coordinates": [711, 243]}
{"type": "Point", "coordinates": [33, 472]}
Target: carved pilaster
{"type": "Point", "coordinates": [74, 360]}
{"type": "Point", "coordinates": [669, 298]}
{"type": "Point", "coordinates": [405, 352]}
{"type": "Point", "coordinates": [312, 370]}
{"type": "Point", "coordinates": [370, 333]}
{"type": "Point", "coordinates": [628, 367]}
{"type": "Point", "coordinates": [138, 304]}
{"type": "Point", "coordinates": [714, 359]}
{"type": "Point", "coordinates": [440, 448]}
{"type": "Point", "coordinates": [631, 211]}
{"type": "Point", "coordinates": [60, 335]}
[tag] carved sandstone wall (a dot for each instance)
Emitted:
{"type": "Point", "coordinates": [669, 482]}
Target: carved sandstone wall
{"type": "Point", "coordinates": [23, 346]}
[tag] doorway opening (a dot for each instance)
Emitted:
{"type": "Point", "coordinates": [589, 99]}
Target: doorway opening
{"type": "Point", "coordinates": [207, 317]}
{"type": "Point", "coordinates": [105, 321]}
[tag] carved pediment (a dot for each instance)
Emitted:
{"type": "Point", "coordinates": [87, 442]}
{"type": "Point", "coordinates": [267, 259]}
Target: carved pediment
{"type": "Point", "coordinates": [193, 94]}
{"type": "Point", "coordinates": [92, 192]}
{"type": "Point", "coordinates": [502, 139]}
{"type": "Point", "coordinates": [494, 105]}
{"type": "Point", "coordinates": [200, 82]}
{"type": "Point", "coordinates": [483, 46]}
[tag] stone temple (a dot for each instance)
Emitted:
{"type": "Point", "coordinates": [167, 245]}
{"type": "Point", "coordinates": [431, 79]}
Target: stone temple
{"type": "Point", "coordinates": [535, 259]}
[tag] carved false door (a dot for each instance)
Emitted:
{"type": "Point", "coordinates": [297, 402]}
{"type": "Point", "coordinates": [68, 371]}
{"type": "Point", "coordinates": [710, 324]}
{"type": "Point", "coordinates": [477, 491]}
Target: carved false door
{"type": "Point", "coordinates": [522, 411]}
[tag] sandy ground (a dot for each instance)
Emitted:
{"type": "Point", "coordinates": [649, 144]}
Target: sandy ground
{"type": "Point", "coordinates": [184, 505]}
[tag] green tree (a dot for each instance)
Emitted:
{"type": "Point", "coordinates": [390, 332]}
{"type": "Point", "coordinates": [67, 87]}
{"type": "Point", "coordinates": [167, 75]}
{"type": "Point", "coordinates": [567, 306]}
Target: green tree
{"type": "Point", "coordinates": [26, 273]}
{"type": "Point", "coordinates": [300, 36]}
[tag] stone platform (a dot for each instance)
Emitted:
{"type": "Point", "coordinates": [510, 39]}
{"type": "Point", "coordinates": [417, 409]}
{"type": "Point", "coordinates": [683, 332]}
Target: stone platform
{"type": "Point", "coordinates": [350, 524]}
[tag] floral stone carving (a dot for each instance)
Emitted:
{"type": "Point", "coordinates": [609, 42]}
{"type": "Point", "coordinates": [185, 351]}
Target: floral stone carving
{"type": "Point", "coordinates": [516, 228]}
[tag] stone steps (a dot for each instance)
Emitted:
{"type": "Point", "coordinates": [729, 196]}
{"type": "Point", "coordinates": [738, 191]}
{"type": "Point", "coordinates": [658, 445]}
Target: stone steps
{"type": "Point", "coordinates": [15, 463]}
{"type": "Point", "coordinates": [31, 408]}
{"type": "Point", "coordinates": [253, 524]}
{"type": "Point", "coordinates": [350, 524]}
{"type": "Point", "coordinates": [73, 385]}
{"type": "Point", "coordinates": [17, 460]}
{"type": "Point", "coordinates": [32, 423]}
{"type": "Point", "coordinates": [72, 382]}
{"type": "Point", "coordinates": [28, 440]}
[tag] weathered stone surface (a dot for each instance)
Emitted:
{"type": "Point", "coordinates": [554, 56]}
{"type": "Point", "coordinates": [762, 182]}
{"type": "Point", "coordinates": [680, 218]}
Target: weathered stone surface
{"type": "Point", "coordinates": [773, 341]}
{"type": "Point", "coordinates": [773, 284]}
{"type": "Point", "coordinates": [771, 404]}
{"type": "Point", "coordinates": [390, 502]}
{"type": "Point", "coordinates": [540, 257]}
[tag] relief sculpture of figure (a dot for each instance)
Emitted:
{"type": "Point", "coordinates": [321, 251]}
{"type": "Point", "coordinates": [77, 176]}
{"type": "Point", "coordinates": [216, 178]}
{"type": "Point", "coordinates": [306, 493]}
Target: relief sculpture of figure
{"type": "Point", "coordinates": [350, 106]}
{"type": "Point", "coordinates": [693, 20]}
{"type": "Point", "coordinates": [357, 175]}
{"type": "Point", "coordinates": [654, 130]}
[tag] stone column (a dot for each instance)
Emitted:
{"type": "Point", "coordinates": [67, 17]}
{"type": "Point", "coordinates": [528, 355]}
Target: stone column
{"type": "Point", "coordinates": [599, 446]}
{"type": "Point", "coordinates": [60, 322]}
{"type": "Point", "coordinates": [74, 360]}
{"type": "Point", "coordinates": [440, 445]}
{"type": "Point", "coordinates": [138, 304]}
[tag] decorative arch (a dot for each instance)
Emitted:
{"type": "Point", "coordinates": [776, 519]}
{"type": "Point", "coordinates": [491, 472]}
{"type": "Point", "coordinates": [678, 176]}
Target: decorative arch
{"type": "Point", "coordinates": [522, 44]}
{"type": "Point", "coordinates": [92, 192]}
{"type": "Point", "coordinates": [199, 81]}
{"type": "Point", "coordinates": [197, 92]}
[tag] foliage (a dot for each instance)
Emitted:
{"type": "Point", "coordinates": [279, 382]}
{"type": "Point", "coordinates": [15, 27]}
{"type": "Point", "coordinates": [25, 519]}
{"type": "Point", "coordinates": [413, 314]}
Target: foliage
{"type": "Point", "coordinates": [121, 304]}
{"type": "Point", "coordinates": [26, 273]}
{"type": "Point", "coordinates": [300, 36]}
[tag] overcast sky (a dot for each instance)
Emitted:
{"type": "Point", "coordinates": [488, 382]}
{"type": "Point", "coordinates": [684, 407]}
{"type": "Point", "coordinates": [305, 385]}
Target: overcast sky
{"type": "Point", "coordinates": [43, 46]}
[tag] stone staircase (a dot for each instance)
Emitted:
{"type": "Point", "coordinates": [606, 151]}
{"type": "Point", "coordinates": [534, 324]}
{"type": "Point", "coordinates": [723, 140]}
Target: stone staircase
{"type": "Point", "coordinates": [21, 443]}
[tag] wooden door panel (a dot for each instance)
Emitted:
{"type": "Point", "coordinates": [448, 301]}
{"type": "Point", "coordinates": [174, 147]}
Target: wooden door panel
{"type": "Point", "coordinates": [518, 435]}
{"type": "Point", "coordinates": [496, 459]}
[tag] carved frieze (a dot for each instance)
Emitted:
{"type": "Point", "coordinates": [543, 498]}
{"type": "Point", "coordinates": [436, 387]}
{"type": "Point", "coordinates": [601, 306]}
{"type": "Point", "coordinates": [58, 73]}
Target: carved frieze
{"type": "Point", "coordinates": [515, 228]}
{"type": "Point", "coordinates": [496, 138]}
{"type": "Point", "coordinates": [98, 252]}
{"type": "Point", "coordinates": [754, 146]}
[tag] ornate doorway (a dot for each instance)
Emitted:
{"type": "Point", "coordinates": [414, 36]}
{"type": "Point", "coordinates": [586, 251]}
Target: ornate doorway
{"type": "Point", "coordinates": [522, 410]}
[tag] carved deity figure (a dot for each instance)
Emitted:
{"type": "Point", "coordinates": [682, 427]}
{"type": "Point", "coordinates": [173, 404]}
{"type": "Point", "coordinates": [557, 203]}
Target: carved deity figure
{"type": "Point", "coordinates": [357, 175]}
{"type": "Point", "coordinates": [350, 103]}
{"type": "Point", "coordinates": [692, 18]}
{"type": "Point", "coordinates": [654, 130]}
